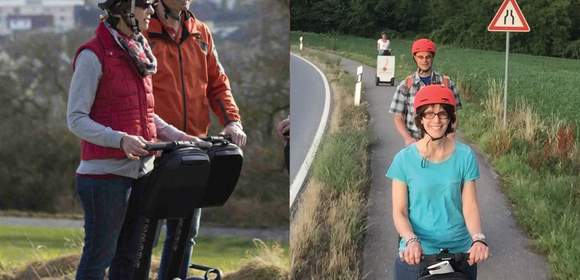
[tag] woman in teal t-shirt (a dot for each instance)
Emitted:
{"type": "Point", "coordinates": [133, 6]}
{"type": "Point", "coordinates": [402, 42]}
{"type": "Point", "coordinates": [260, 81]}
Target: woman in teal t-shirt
{"type": "Point", "coordinates": [434, 199]}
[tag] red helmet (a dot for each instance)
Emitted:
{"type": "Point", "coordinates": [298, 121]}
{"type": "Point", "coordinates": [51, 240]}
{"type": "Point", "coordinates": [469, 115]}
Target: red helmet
{"type": "Point", "coordinates": [434, 94]}
{"type": "Point", "coordinates": [423, 45]}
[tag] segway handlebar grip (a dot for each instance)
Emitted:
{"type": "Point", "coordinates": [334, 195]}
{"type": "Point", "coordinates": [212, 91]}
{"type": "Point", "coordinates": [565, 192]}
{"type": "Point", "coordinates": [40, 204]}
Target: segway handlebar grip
{"type": "Point", "coordinates": [159, 146]}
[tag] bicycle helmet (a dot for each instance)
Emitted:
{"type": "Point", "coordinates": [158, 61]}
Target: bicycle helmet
{"type": "Point", "coordinates": [123, 8]}
{"type": "Point", "coordinates": [423, 45]}
{"type": "Point", "coordinates": [434, 94]}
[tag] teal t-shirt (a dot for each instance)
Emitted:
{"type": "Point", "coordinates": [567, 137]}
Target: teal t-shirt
{"type": "Point", "coordinates": [434, 193]}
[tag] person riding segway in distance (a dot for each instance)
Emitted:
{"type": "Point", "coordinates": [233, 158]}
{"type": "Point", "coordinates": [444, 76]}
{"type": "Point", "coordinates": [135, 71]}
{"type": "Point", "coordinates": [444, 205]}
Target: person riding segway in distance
{"type": "Point", "coordinates": [385, 70]}
{"type": "Point", "coordinates": [423, 51]}
{"type": "Point", "coordinates": [384, 44]}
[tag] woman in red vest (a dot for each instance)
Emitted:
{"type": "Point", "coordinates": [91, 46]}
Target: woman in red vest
{"type": "Point", "coordinates": [110, 108]}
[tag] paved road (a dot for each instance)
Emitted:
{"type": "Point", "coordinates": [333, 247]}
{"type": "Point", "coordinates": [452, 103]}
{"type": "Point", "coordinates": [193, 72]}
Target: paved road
{"type": "Point", "coordinates": [309, 105]}
{"type": "Point", "coordinates": [511, 258]}
{"type": "Point", "coordinates": [204, 231]}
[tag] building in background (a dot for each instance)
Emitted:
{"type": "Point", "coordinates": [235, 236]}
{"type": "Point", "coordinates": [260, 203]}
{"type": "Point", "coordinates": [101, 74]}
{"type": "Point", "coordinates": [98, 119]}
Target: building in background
{"type": "Point", "coordinates": [42, 15]}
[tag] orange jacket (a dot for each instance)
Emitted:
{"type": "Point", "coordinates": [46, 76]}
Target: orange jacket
{"type": "Point", "coordinates": [189, 78]}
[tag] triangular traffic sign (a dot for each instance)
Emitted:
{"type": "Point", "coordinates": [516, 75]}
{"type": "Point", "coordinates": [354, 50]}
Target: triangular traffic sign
{"type": "Point", "coordinates": [509, 17]}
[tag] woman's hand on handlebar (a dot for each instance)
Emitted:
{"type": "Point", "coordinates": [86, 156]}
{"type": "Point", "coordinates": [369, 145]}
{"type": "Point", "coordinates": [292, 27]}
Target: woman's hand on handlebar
{"type": "Point", "coordinates": [412, 253]}
{"type": "Point", "coordinates": [134, 146]}
{"type": "Point", "coordinates": [478, 253]}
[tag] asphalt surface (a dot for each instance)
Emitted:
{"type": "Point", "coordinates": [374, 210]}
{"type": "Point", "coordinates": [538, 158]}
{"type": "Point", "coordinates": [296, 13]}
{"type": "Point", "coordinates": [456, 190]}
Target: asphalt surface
{"type": "Point", "coordinates": [511, 256]}
{"type": "Point", "coordinates": [307, 116]}
{"type": "Point", "coordinates": [204, 231]}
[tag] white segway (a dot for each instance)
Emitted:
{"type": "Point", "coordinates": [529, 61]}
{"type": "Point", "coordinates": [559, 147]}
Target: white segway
{"type": "Point", "coordinates": [385, 68]}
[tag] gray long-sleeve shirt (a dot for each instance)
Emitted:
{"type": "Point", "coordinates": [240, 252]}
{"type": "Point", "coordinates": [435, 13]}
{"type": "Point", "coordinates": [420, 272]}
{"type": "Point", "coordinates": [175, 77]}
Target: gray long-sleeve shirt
{"type": "Point", "coordinates": [82, 92]}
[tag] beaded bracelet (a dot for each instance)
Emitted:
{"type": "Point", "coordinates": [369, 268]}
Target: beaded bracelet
{"type": "Point", "coordinates": [411, 240]}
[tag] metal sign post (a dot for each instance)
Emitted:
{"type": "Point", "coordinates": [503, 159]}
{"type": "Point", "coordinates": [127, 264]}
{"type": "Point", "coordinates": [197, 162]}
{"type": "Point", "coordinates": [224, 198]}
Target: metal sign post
{"type": "Point", "coordinates": [509, 18]}
{"type": "Point", "coordinates": [505, 83]}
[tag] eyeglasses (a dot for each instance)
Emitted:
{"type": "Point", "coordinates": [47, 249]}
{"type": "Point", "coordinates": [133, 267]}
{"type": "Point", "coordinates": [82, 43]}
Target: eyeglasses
{"type": "Point", "coordinates": [426, 57]}
{"type": "Point", "coordinates": [145, 4]}
{"type": "Point", "coordinates": [442, 115]}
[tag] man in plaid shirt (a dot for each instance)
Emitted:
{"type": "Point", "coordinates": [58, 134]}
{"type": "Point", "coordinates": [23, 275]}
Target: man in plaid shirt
{"type": "Point", "coordinates": [423, 51]}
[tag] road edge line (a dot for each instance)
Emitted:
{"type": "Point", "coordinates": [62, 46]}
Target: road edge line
{"type": "Point", "coordinates": [296, 184]}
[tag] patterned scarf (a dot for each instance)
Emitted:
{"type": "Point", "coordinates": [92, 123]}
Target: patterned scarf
{"type": "Point", "coordinates": [138, 49]}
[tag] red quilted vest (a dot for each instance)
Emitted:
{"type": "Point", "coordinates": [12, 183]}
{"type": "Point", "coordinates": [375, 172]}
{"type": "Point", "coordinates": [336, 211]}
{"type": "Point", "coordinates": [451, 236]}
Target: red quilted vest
{"type": "Point", "coordinates": [124, 99]}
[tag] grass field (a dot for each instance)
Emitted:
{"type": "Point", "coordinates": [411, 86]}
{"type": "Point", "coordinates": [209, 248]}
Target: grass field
{"type": "Point", "coordinates": [22, 245]}
{"type": "Point", "coordinates": [550, 84]}
{"type": "Point", "coordinates": [537, 154]}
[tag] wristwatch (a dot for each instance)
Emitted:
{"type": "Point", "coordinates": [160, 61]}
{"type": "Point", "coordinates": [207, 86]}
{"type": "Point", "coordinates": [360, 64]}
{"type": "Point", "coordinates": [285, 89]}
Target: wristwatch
{"type": "Point", "coordinates": [478, 236]}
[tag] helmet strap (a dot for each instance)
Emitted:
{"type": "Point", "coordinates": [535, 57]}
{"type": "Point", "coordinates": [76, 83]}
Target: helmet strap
{"type": "Point", "coordinates": [169, 13]}
{"type": "Point", "coordinates": [424, 159]}
{"type": "Point", "coordinates": [431, 138]}
{"type": "Point", "coordinates": [421, 71]}
{"type": "Point", "coordinates": [130, 20]}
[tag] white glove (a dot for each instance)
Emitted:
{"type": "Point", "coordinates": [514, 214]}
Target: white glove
{"type": "Point", "coordinates": [235, 131]}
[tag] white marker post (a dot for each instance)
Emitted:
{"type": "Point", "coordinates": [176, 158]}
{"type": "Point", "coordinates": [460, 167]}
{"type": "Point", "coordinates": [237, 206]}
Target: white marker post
{"type": "Point", "coordinates": [505, 20]}
{"type": "Point", "coordinates": [301, 43]}
{"type": "Point", "coordinates": [358, 86]}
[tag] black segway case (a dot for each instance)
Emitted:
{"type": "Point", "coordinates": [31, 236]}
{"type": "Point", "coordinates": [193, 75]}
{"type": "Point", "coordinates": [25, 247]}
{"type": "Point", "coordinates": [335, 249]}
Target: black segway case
{"type": "Point", "coordinates": [177, 184]}
{"type": "Point", "coordinates": [226, 161]}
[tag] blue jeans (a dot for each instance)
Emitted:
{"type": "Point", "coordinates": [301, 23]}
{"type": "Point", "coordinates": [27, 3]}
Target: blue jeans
{"type": "Point", "coordinates": [104, 202]}
{"type": "Point", "coordinates": [404, 271]}
{"type": "Point", "coordinates": [171, 228]}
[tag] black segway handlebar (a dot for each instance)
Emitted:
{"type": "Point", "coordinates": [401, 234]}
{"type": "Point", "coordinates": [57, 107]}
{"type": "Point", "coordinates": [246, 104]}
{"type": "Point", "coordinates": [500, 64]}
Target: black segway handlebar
{"type": "Point", "coordinates": [205, 143]}
{"type": "Point", "coordinates": [446, 256]}
{"type": "Point", "coordinates": [165, 146]}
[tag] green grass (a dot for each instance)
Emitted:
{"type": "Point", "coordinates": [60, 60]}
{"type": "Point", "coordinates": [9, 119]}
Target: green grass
{"type": "Point", "coordinates": [550, 84]}
{"type": "Point", "coordinates": [21, 245]}
{"type": "Point", "coordinates": [543, 186]}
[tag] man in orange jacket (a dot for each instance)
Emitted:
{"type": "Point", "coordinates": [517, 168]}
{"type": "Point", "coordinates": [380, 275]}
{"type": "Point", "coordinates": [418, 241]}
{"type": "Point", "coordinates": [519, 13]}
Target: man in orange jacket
{"type": "Point", "coordinates": [189, 82]}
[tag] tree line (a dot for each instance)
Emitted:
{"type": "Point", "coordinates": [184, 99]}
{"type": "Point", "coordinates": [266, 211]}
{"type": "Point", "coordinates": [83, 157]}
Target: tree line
{"type": "Point", "coordinates": [555, 24]}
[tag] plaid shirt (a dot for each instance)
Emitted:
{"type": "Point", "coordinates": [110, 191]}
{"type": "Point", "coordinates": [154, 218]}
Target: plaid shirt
{"type": "Point", "coordinates": [403, 100]}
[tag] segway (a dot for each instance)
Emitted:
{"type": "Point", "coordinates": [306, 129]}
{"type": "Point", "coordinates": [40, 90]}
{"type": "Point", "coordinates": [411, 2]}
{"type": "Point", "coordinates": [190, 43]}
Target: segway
{"type": "Point", "coordinates": [443, 266]}
{"type": "Point", "coordinates": [385, 68]}
{"type": "Point", "coordinates": [188, 175]}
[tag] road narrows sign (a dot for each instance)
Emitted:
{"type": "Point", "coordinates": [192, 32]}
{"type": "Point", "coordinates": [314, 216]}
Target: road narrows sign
{"type": "Point", "coordinates": [510, 18]}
